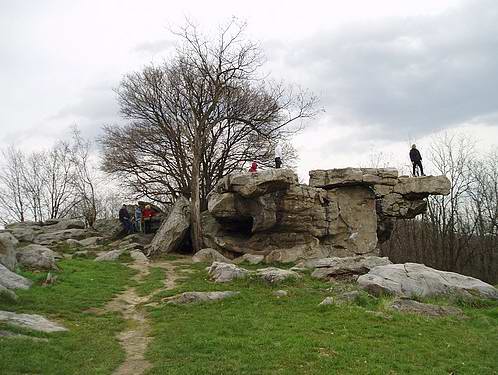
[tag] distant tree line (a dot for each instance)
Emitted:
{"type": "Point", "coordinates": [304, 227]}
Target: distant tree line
{"type": "Point", "coordinates": [459, 232]}
{"type": "Point", "coordinates": [61, 182]}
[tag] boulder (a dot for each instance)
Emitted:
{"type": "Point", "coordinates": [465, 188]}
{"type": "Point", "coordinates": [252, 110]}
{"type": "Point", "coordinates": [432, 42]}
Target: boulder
{"type": "Point", "coordinates": [11, 280]}
{"type": "Point", "coordinates": [51, 238]}
{"type": "Point", "coordinates": [209, 255]}
{"type": "Point", "coordinates": [37, 257]}
{"type": "Point", "coordinates": [426, 309]}
{"type": "Point", "coordinates": [197, 297]}
{"type": "Point", "coordinates": [92, 241]}
{"type": "Point", "coordinates": [275, 275]}
{"type": "Point", "coordinates": [250, 258]}
{"type": "Point", "coordinates": [8, 245]}
{"type": "Point", "coordinates": [138, 256]}
{"type": "Point", "coordinates": [110, 256]}
{"type": "Point", "coordinates": [344, 267]}
{"type": "Point", "coordinates": [417, 280]}
{"type": "Point", "coordinates": [63, 224]}
{"type": "Point", "coordinates": [73, 243]}
{"type": "Point", "coordinates": [31, 321]}
{"type": "Point", "coordinates": [25, 233]}
{"type": "Point", "coordinates": [173, 230]}
{"type": "Point", "coordinates": [226, 272]}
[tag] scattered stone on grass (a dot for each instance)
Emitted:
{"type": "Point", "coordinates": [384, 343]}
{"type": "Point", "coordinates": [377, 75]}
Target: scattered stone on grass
{"type": "Point", "coordinates": [197, 297]}
{"type": "Point", "coordinates": [209, 255]}
{"type": "Point", "coordinates": [327, 301]}
{"type": "Point", "coordinates": [275, 275]}
{"type": "Point", "coordinates": [12, 335]}
{"type": "Point", "coordinates": [426, 309]}
{"type": "Point", "coordinates": [138, 255]}
{"type": "Point", "coordinates": [417, 280]}
{"type": "Point", "coordinates": [225, 272]}
{"type": "Point", "coordinates": [7, 294]}
{"type": "Point", "coordinates": [280, 293]}
{"type": "Point", "coordinates": [92, 241]}
{"type": "Point", "coordinates": [30, 321]}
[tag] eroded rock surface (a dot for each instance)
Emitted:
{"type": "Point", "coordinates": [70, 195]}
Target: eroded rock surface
{"type": "Point", "coordinates": [346, 267]}
{"type": "Point", "coordinates": [173, 230]}
{"type": "Point", "coordinates": [344, 212]}
{"type": "Point", "coordinates": [8, 245]}
{"type": "Point", "coordinates": [417, 280]}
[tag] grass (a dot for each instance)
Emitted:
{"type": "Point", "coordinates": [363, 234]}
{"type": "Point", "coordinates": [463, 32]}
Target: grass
{"type": "Point", "coordinates": [90, 346]}
{"type": "Point", "coordinates": [154, 280]}
{"type": "Point", "coordinates": [257, 333]}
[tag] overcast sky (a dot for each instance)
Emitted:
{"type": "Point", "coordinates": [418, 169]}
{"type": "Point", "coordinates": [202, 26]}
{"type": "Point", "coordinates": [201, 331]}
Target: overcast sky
{"type": "Point", "coordinates": [388, 72]}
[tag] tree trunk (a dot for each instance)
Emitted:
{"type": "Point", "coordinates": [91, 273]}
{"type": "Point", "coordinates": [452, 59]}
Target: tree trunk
{"type": "Point", "coordinates": [196, 230]}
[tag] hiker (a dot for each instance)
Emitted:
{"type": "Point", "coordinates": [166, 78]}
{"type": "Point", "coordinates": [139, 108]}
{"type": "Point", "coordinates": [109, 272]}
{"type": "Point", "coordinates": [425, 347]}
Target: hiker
{"type": "Point", "coordinates": [138, 219]}
{"type": "Point", "coordinates": [254, 167]}
{"type": "Point", "coordinates": [147, 214]}
{"type": "Point", "coordinates": [124, 218]}
{"type": "Point", "coordinates": [416, 159]}
{"type": "Point", "coordinates": [278, 156]}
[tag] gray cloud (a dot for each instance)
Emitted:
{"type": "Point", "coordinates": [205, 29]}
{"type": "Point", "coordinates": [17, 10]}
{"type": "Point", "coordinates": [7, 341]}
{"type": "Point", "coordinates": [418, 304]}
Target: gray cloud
{"type": "Point", "coordinates": [406, 76]}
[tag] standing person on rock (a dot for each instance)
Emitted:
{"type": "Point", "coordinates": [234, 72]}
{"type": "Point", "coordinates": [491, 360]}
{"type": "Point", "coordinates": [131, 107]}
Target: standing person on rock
{"type": "Point", "coordinates": [138, 219]}
{"type": "Point", "coordinates": [416, 159]}
{"type": "Point", "coordinates": [147, 216]}
{"type": "Point", "coordinates": [278, 155]}
{"type": "Point", "coordinates": [124, 218]}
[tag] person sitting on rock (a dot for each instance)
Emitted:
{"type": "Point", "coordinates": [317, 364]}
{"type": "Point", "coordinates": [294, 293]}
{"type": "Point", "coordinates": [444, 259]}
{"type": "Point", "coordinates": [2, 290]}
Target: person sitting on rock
{"type": "Point", "coordinates": [254, 167]}
{"type": "Point", "coordinates": [124, 218]}
{"type": "Point", "coordinates": [147, 214]}
{"type": "Point", "coordinates": [416, 159]}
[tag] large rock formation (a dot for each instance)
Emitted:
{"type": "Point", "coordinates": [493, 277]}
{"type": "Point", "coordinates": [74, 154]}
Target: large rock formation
{"type": "Point", "coordinates": [343, 212]}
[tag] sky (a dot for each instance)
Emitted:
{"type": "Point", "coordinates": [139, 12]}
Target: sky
{"type": "Point", "coordinates": [388, 73]}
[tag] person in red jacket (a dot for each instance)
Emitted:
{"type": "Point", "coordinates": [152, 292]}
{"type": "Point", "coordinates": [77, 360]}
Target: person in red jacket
{"type": "Point", "coordinates": [147, 214]}
{"type": "Point", "coordinates": [254, 167]}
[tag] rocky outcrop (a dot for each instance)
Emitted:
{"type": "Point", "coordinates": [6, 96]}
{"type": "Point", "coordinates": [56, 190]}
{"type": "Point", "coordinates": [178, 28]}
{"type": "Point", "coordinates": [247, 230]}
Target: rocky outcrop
{"type": "Point", "coordinates": [344, 212]}
{"type": "Point", "coordinates": [274, 275]}
{"type": "Point", "coordinates": [417, 280]}
{"type": "Point", "coordinates": [8, 245]}
{"type": "Point", "coordinates": [37, 257]}
{"type": "Point", "coordinates": [173, 230]}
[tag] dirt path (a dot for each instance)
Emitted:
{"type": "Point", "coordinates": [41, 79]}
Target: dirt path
{"type": "Point", "coordinates": [135, 338]}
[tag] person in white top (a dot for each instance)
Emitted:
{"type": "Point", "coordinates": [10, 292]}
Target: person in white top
{"type": "Point", "coordinates": [278, 155]}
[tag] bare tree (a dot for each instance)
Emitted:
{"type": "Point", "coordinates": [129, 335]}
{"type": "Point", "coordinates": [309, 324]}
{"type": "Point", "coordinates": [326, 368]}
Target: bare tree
{"type": "Point", "coordinates": [12, 195]}
{"type": "Point", "coordinates": [201, 115]}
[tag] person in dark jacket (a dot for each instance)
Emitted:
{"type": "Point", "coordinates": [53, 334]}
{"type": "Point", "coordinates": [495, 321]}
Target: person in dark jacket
{"type": "Point", "coordinates": [124, 218]}
{"type": "Point", "coordinates": [416, 159]}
